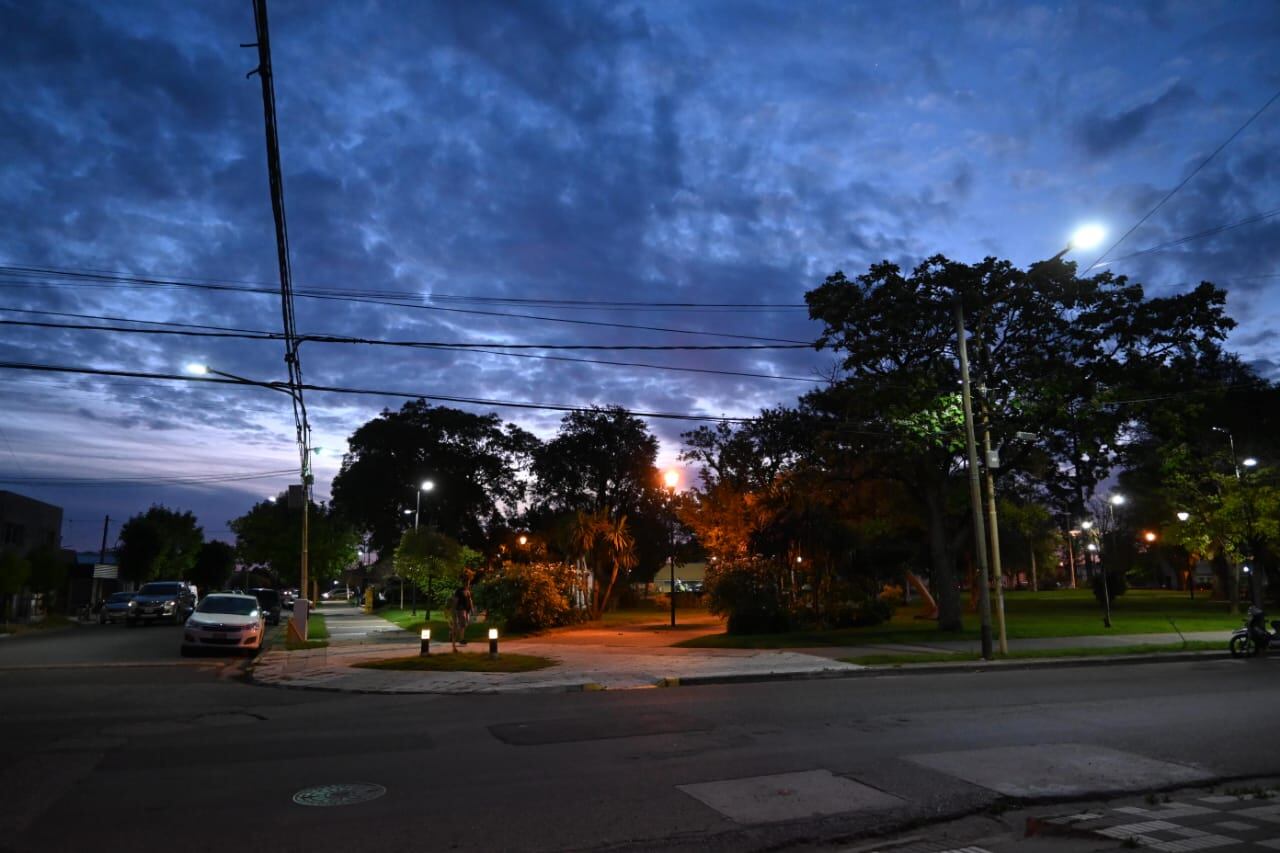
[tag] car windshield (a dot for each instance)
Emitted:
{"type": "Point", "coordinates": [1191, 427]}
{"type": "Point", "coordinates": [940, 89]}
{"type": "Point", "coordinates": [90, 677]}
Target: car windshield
{"type": "Point", "coordinates": [228, 604]}
{"type": "Point", "coordinates": [118, 597]}
{"type": "Point", "coordinates": [159, 589]}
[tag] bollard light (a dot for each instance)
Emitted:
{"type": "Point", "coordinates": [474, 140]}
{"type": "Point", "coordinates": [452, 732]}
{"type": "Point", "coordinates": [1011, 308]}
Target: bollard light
{"type": "Point", "coordinates": [426, 642]}
{"type": "Point", "coordinates": [493, 642]}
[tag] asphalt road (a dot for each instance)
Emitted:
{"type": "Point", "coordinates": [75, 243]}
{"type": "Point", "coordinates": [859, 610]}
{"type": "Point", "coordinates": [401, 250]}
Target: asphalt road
{"type": "Point", "coordinates": [190, 758]}
{"type": "Point", "coordinates": [93, 643]}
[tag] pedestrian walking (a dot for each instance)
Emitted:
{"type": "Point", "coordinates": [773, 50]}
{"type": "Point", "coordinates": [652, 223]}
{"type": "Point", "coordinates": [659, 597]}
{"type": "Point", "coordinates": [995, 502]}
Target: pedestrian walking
{"type": "Point", "coordinates": [460, 609]}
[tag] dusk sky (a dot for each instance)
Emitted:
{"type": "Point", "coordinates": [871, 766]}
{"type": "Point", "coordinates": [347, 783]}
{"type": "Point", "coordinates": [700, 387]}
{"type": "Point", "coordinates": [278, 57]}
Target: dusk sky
{"type": "Point", "coordinates": [452, 155]}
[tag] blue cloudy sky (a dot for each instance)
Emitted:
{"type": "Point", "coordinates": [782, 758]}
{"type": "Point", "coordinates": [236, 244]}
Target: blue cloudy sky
{"type": "Point", "coordinates": [450, 153]}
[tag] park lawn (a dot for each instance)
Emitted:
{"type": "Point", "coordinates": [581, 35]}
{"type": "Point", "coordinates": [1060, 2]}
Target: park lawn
{"type": "Point", "coordinates": [1028, 615]}
{"type": "Point", "coordinates": [1087, 651]}
{"type": "Point", "coordinates": [462, 662]}
{"type": "Point", "coordinates": [439, 625]}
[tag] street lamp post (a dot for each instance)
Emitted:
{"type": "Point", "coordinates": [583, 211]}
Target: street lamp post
{"type": "Point", "coordinates": [1232, 442]}
{"type": "Point", "coordinates": [425, 486]}
{"type": "Point", "coordinates": [671, 478]}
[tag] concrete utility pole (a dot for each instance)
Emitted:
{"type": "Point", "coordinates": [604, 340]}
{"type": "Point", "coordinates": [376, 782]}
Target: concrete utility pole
{"type": "Point", "coordinates": [975, 487]}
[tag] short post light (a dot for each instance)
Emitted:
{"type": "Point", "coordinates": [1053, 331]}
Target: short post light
{"type": "Point", "coordinates": [493, 642]}
{"type": "Point", "coordinates": [1183, 516]}
{"type": "Point", "coordinates": [426, 642]}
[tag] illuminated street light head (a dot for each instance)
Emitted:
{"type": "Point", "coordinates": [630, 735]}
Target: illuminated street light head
{"type": "Point", "coordinates": [195, 368]}
{"type": "Point", "coordinates": [1183, 516]}
{"type": "Point", "coordinates": [1117, 500]}
{"type": "Point", "coordinates": [1149, 536]}
{"type": "Point", "coordinates": [1087, 237]}
{"type": "Point", "coordinates": [1086, 525]}
{"type": "Point", "coordinates": [1092, 547]}
{"type": "Point", "coordinates": [524, 540]}
{"type": "Point", "coordinates": [671, 477]}
{"type": "Point", "coordinates": [408, 512]}
{"type": "Point", "coordinates": [427, 485]}
{"type": "Point", "coordinates": [1249, 462]}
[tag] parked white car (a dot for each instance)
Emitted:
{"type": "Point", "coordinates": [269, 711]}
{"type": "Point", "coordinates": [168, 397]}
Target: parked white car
{"type": "Point", "coordinates": [225, 621]}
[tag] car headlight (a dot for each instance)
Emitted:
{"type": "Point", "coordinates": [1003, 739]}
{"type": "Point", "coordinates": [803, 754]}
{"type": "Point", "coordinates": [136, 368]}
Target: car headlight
{"type": "Point", "coordinates": [170, 603]}
{"type": "Point", "coordinates": [132, 603]}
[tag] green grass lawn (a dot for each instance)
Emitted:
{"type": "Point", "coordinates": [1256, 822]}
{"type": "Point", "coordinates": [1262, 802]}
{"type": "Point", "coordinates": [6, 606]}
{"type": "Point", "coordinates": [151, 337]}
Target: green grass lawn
{"type": "Point", "coordinates": [449, 662]}
{"type": "Point", "coordinates": [317, 634]}
{"type": "Point", "coordinates": [1089, 651]}
{"type": "Point", "coordinates": [438, 624]}
{"type": "Point", "coordinates": [1060, 613]}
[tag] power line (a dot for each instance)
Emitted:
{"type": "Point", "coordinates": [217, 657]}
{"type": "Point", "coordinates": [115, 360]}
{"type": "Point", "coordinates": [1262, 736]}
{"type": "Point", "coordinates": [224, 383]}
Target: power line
{"type": "Point", "coordinates": [355, 296]}
{"type": "Point", "coordinates": [263, 336]}
{"type": "Point", "coordinates": [1185, 180]}
{"type": "Point", "coordinates": [1197, 236]}
{"type": "Point", "coordinates": [330, 389]}
{"type": "Point", "coordinates": [330, 338]}
{"type": "Point", "coordinates": [147, 481]}
{"type": "Point", "coordinates": [593, 304]}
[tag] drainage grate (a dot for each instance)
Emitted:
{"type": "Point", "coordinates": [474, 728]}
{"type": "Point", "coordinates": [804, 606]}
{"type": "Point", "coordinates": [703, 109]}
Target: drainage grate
{"type": "Point", "coordinates": [345, 794]}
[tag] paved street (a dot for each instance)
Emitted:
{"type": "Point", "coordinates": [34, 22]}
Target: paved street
{"type": "Point", "coordinates": [189, 756]}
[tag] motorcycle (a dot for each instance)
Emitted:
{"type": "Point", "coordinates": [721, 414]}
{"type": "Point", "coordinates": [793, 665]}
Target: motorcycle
{"type": "Point", "coordinates": [1254, 638]}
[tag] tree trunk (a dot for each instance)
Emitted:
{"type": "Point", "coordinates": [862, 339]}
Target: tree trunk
{"type": "Point", "coordinates": [1035, 583]}
{"type": "Point", "coordinates": [941, 569]}
{"type": "Point", "coordinates": [613, 578]}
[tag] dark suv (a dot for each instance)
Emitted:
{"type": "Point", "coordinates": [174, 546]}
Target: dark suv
{"type": "Point", "coordinates": [170, 601]}
{"type": "Point", "coordinates": [269, 601]}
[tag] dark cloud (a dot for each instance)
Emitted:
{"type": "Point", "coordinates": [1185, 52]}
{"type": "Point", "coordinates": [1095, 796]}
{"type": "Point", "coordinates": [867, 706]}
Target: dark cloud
{"type": "Point", "coordinates": [1102, 135]}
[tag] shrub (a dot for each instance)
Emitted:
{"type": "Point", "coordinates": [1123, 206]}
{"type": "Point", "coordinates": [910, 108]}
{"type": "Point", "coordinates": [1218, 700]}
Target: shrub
{"type": "Point", "coordinates": [748, 594]}
{"type": "Point", "coordinates": [529, 597]}
{"type": "Point", "coordinates": [892, 595]}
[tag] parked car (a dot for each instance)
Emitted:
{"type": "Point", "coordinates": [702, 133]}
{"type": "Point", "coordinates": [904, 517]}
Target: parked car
{"type": "Point", "coordinates": [171, 601]}
{"type": "Point", "coordinates": [225, 621]}
{"type": "Point", "coordinates": [115, 608]}
{"type": "Point", "coordinates": [339, 594]}
{"type": "Point", "coordinates": [269, 600]}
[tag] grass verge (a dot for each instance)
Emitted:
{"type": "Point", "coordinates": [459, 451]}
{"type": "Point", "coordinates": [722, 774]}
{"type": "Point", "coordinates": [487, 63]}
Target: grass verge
{"type": "Point", "coordinates": [317, 635]}
{"type": "Point", "coordinates": [51, 622]}
{"type": "Point", "coordinates": [1028, 615]}
{"type": "Point", "coordinates": [415, 622]}
{"type": "Point", "coordinates": [1088, 651]}
{"type": "Point", "coordinates": [461, 662]}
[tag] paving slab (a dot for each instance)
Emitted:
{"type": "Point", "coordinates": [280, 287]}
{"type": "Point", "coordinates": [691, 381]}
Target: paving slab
{"type": "Point", "coordinates": [1059, 769]}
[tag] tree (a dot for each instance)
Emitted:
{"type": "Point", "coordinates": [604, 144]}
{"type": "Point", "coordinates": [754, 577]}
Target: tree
{"type": "Point", "coordinates": [160, 543]}
{"type": "Point", "coordinates": [14, 571]}
{"type": "Point", "coordinates": [600, 460]}
{"type": "Point", "coordinates": [214, 566]}
{"type": "Point", "coordinates": [1052, 352]}
{"type": "Point", "coordinates": [474, 462]}
{"type": "Point", "coordinates": [49, 569]}
{"type": "Point", "coordinates": [434, 562]}
{"type": "Point", "coordinates": [270, 535]}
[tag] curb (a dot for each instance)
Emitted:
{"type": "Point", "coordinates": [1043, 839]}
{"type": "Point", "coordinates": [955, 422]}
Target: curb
{"type": "Point", "coordinates": [943, 668]}
{"type": "Point", "coordinates": [762, 677]}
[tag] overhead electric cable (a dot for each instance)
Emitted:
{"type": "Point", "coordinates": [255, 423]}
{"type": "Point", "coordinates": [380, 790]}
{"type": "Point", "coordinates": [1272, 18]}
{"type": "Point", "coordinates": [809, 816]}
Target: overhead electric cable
{"type": "Point", "coordinates": [271, 336]}
{"type": "Point", "coordinates": [1197, 236]}
{"type": "Point", "coordinates": [152, 481]}
{"type": "Point", "coordinates": [356, 296]}
{"type": "Point", "coordinates": [328, 338]}
{"type": "Point", "coordinates": [1185, 180]}
{"type": "Point", "coordinates": [279, 386]}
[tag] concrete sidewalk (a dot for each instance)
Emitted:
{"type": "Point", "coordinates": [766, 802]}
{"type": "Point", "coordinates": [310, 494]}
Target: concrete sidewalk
{"type": "Point", "coordinates": [617, 658]}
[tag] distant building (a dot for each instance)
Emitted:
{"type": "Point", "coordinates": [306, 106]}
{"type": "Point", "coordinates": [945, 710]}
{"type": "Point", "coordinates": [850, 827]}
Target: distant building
{"type": "Point", "coordinates": [26, 523]}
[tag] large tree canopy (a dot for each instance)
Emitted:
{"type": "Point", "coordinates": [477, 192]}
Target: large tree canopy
{"type": "Point", "coordinates": [160, 543]}
{"type": "Point", "coordinates": [270, 535]}
{"type": "Point", "coordinates": [602, 460]}
{"type": "Point", "coordinates": [473, 461]}
{"type": "Point", "coordinates": [1052, 355]}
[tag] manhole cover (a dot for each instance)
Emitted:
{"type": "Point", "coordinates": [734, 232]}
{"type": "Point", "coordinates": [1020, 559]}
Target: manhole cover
{"type": "Point", "coordinates": [339, 795]}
